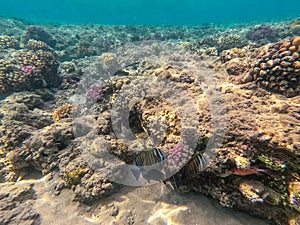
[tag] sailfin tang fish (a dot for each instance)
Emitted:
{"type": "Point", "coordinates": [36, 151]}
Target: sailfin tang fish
{"type": "Point", "coordinates": [195, 165]}
{"type": "Point", "coordinates": [149, 164]}
{"type": "Point", "coordinates": [150, 157]}
{"type": "Point", "coordinates": [191, 170]}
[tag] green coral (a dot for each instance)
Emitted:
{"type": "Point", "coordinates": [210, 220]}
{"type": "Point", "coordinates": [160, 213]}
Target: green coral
{"type": "Point", "coordinates": [272, 164]}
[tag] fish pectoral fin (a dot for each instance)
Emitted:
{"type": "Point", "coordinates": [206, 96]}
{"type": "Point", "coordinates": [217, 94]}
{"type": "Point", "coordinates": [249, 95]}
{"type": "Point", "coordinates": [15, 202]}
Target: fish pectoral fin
{"type": "Point", "coordinates": [136, 172]}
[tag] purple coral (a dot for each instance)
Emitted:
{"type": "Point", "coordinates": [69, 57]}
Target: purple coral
{"type": "Point", "coordinates": [176, 154]}
{"type": "Point", "coordinates": [27, 70]}
{"type": "Point", "coordinates": [95, 93]}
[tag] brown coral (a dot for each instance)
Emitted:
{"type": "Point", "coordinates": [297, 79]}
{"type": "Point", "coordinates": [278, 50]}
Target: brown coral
{"type": "Point", "coordinates": [38, 45]}
{"type": "Point", "coordinates": [277, 67]}
{"type": "Point", "coordinates": [28, 69]}
{"type": "Point", "coordinates": [8, 42]}
{"type": "Point", "coordinates": [233, 53]}
{"type": "Point", "coordinates": [62, 112]}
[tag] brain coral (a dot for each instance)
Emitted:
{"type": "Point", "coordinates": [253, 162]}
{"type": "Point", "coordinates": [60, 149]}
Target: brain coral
{"type": "Point", "coordinates": [277, 67]}
{"type": "Point", "coordinates": [28, 68]}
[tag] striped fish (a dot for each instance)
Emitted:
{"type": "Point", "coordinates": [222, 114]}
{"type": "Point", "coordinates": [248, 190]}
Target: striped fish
{"type": "Point", "coordinates": [195, 166]}
{"type": "Point", "coordinates": [151, 157]}
{"type": "Point", "coordinates": [191, 170]}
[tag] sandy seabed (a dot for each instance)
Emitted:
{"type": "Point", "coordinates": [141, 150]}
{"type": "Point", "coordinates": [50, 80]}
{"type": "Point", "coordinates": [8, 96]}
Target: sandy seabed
{"type": "Point", "coordinates": [153, 204]}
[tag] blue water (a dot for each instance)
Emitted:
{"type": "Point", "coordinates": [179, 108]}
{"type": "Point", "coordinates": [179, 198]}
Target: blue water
{"type": "Point", "coordinates": [151, 12]}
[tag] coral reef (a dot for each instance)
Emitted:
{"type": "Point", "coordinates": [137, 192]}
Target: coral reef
{"type": "Point", "coordinates": [21, 115]}
{"type": "Point", "coordinates": [277, 67]}
{"type": "Point", "coordinates": [219, 42]}
{"type": "Point", "coordinates": [8, 42]}
{"type": "Point", "coordinates": [38, 45]}
{"type": "Point", "coordinates": [295, 27]}
{"type": "Point", "coordinates": [94, 93]}
{"type": "Point", "coordinates": [231, 41]}
{"type": "Point", "coordinates": [28, 69]}
{"type": "Point", "coordinates": [255, 167]}
{"type": "Point", "coordinates": [17, 204]}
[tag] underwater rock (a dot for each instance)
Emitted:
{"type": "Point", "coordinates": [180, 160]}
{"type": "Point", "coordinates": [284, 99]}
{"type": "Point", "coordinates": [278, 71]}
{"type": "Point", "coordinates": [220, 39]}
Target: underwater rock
{"type": "Point", "coordinates": [17, 205]}
{"type": "Point", "coordinates": [295, 26]}
{"type": "Point", "coordinates": [21, 115]}
{"type": "Point", "coordinates": [236, 66]}
{"type": "Point", "coordinates": [262, 32]}
{"type": "Point", "coordinates": [44, 146]}
{"type": "Point", "coordinates": [39, 34]}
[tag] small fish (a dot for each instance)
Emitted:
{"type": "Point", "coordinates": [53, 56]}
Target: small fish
{"type": "Point", "coordinates": [150, 157]}
{"type": "Point", "coordinates": [191, 170]}
{"type": "Point", "coordinates": [175, 182]}
{"type": "Point", "coordinates": [195, 165]}
{"type": "Point", "coordinates": [149, 164]}
{"type": "Point", "coordinates": [150, 174]}
{"type": "Point", "coordinates": [245, 172]}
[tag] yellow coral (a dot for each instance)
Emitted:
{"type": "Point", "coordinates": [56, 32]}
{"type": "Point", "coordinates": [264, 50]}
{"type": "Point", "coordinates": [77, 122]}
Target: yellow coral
{"type": "Point", "coordinates": [272, 164]}
{"type": "Point", "coordinates": [36, 45]}
{"type": "Point", "coordinates": [62, 112]}
{"type": "Point", "coordinates": [253, 190]}
{"type": "Point", "coordinates": [8, 42]}
{"type": "Point", "coordinates": [294, 195]}
{"type": "Point", "coordinates": [74, 176]}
